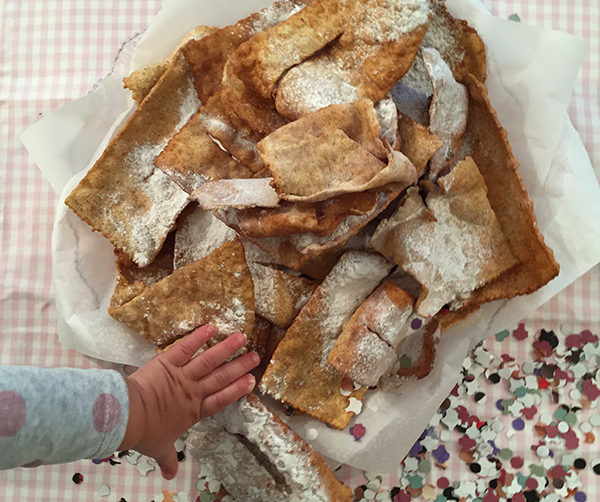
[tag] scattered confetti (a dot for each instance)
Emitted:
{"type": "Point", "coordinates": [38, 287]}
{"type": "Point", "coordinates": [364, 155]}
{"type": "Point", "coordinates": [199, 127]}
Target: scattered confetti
{"type": "Point", "coordinates": [358, 431]}
{"type": "Point", "coordinates": [77, 478]}
{"type": "Point", "coordinates": [144, 466]}
{"type": "Point", "coordinates": [104, 491]}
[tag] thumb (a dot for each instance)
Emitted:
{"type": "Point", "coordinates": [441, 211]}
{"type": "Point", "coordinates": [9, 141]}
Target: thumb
{"type": "Point", "coordinates": [168, 463]}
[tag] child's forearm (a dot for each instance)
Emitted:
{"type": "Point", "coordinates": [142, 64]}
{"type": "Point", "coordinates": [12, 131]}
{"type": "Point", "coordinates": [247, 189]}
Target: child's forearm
{"type": "Point", "coordinates": [50, 416]}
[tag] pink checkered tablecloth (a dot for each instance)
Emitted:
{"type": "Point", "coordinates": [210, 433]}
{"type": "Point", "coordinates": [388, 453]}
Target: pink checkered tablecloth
{"type": "Point", "coordinates": [52, 52]}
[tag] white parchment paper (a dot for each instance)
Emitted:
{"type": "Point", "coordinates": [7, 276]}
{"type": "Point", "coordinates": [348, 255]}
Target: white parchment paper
{"type": "Point", "coordinates": [531, 73]}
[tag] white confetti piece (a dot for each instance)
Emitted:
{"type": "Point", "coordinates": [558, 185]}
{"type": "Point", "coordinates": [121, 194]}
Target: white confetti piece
{"type": "Point", "coordinates": [180, 444]}
{"type": "Point", "coordinates": [551, 497]}
{"type": "Point", "coordinates": [133, 457]}
{"type": "Point", "coordinates": [446, 436]}
{"type": "Point", "coordinates": [513, 488]}
{"type": "Point", "coordinates": [542, 451]}
{"type": "Point", "coordinates": [410, 464]}
{"type": "Point", "coordinates": [181, 497]}
{"type": "Point", "coordinates": [546, 418]}
{"type": "Point", "coordinates": [548, 463]}
{"type": "Point", "coordinates": [354, 406]}
{"type": "Point", "coordinates": [595, 420]}
{"type": "Point", "coordinates": [515, 409]}
{"type": "Point", "coordinates": [563, 427]}
{"type": "Point", "coordinates": [369, 494]}
{"type": "Point", "coordinates": [383, 497]}
{"type": "Point", "coordinates": [527, 367]}
{"type": "Point", "coordinates": [374, 485]}
{"type": "Point", "coordinates": [429, 443]}
{"type": "Point", "coordinates": [213, 485]}
{"type": "Point", "coordinates": [312, 433]}
{"type": "Point", "coordinates": [585, 427]}
{"type": "Point", "coordinates": [473, 432]}
{"type": "Point", "coordinates": [104, 491]}
{"type": "Point", "coordinates": [159, 497]}
{"type": "Point", "coordinates": [144, 466]}
{"type": "Point", "coordinates": [497, 426]}
{"type": "Point", "coordinates": [578, 370]}
{"type": "Point", "coordinates": [531, 382]}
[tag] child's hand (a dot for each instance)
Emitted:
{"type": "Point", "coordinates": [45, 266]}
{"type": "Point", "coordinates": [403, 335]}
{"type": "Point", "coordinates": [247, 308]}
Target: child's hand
{"type": "Point", "coordinates": [173, 391]}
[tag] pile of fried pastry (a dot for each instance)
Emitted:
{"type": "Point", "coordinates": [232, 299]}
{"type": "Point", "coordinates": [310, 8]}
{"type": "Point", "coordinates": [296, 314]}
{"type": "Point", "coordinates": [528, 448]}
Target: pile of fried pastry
{"type": "Point", "coordinates": [329, 178]}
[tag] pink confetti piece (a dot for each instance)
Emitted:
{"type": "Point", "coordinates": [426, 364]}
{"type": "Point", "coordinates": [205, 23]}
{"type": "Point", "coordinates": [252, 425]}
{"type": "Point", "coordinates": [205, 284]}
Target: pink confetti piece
{"type": "Point", "coordinates": [529, 413]}
{"type": "Point", "coordinates": [358, 431]}
{"type": "Point", "coordinates": [520, 333]}
{"type": "Point", "coordinates": [590, 390]}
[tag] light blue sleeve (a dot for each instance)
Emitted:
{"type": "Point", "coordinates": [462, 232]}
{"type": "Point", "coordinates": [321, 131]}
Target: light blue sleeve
{"type": "Point", "coordinates": [52, 416]}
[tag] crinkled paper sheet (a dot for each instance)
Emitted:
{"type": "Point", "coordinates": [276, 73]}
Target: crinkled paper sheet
{"type": "Point", "coordinates": [531, 76]}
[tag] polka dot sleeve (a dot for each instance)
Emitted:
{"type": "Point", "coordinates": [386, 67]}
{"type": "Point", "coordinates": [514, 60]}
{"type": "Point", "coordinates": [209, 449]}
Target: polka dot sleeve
{"type": "Point", "coordinates": [51, 416]}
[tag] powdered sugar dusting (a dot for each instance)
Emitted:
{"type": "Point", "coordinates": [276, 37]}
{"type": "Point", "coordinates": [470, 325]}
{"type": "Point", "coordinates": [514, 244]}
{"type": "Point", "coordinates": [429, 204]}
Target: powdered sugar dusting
{"type": "Point", "coordinates": [325, 79]}
{"type": "Point", "coordinates": [198, 235]}
{"type": "Point", "coordinates": [275, 14]}
{"type": "Point", "coordinates": [190, 103]}
{"type": "Point", "coordinates": [224, 459]}
{"type": "Point", "coordinates": [390, 323]}
{"type": "Point", "coordinates": [279, 444]}
{"type": "Point", "coordinates": [447, 255]}
{"type": "Point", "coordinates": [349, 283]}
{"type": "Point", "coordinates": [447, 113]}
{"type": "Point", "coordinates": [372, 358]}
{"type": "Point", "coordinates": [236, 193]}
{"type": "Point", "coordinates": [162, 197]}
{"type": "Point", "coordinates": [387, 114]}
{"type": "Point", "coordinates": [389, 20]}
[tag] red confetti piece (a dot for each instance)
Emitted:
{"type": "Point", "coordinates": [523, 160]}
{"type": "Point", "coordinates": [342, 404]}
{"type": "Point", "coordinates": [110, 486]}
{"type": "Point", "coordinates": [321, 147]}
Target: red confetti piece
{"type": "Point", "coordinates": [466, 443]}
{"type": "Point", "coordinates": [558, 472]}
{"type": "Point", "coordinates": [502, 477]}
{"type": "Point", "coordinates": [490, 496]}
{"type": "Point", "coordinates": [358, 431]}
{"type": "Point", "coordinates": [463, 414]}
{"type": "Point", "coordinates": [552, 431]}
{"type": "Point", "coordinates": [542, 348]}
{"type": "Point", "coordinates": [531, 483]}
{"type": "Point", "coordinates": [590, 390]}
{"type": "Point", "coordinates": [516, 462]}
{"type": "Point", "coordinates": [480, 423]}
{"type": "Point", "coordinates": [518, 497]}
{"type": "Point", "coordinates": [574, 341]}
{"type": "Point", "coordinates": [507, 359]}
{"type": "Point", "coordinates": [520, 333]}
{"type": "Point", "coordinates": [402, 496]}
{"type": "Point", "coordinates": [543, 383]}
{"type": "Point", "coordinates": [571, 439]}
{"type": "Point", "coordinates": [588, 336]}
{"type": "Point", "coordinates": [561, 375]}
{"type": "Point", "coordinates": [443, 483]}
{"type": "Point", "coordinates": [529, 413]}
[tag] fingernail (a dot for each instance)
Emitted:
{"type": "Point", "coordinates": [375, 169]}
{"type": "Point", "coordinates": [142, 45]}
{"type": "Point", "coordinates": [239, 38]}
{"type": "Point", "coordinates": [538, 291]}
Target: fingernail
{"type": "Point", "coordinates": [251, 382]}
{"type": "Point", "coordinates": [242, 338]}
{"type": "Point", "coordinates": [255, 357]}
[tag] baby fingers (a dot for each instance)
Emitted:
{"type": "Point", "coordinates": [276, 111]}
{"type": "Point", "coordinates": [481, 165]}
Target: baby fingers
{"type": "Point", "coordinates": [184, 349]}
{"type": "Point", "coordinates": [212, 358]}
{"type": "Point", "coordinates": [219, 400]}
{"type": "Point", "coordinates": [229, 372]}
